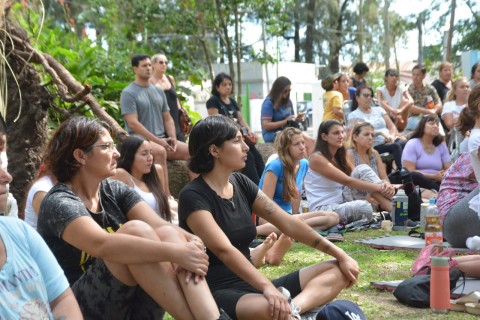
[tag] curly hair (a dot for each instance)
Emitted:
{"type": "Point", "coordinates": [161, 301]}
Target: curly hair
{"type": "Point", "coordinates": [282, 143]}
{"type": "Point", "coordinates": [128, 149]}
{"type": "Point", "coordinates": [215, 129]}
{"type": "Point", "coordinates": [340, 156]}
{"type": "Point", "coordinates": [74, 133]}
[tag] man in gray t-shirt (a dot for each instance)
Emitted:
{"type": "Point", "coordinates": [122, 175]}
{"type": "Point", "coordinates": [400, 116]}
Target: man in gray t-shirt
{"type": "Point", "coordinates": [146, 113]}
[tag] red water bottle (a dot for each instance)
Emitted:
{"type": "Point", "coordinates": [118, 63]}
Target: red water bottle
{"type": "Point", "coordinates": [439, 285]}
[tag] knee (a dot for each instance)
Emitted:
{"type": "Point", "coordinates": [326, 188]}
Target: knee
{"type": "Point", "coordinates": [170, 233]}
{"type": "Point", "coordinates": [138, 228]}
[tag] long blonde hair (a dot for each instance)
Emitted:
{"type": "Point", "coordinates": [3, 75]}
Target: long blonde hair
{"type": "Point", "coordinates": [451, 94]}
{"type": "Point", "coordinates": [282, 143]}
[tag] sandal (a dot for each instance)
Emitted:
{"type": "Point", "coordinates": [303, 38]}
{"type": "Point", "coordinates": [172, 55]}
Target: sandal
{"type": "Point", "coordinates": [460, 303]}
{"type": "Point", "coordinates": [473, 308]}
{"type": "Point", "coordinates": [334, 235]}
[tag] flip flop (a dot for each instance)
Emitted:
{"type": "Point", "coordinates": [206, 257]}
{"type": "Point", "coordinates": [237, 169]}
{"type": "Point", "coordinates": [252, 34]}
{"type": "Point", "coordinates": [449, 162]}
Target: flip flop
{"type": "Point", "coordinates": [460, 303]}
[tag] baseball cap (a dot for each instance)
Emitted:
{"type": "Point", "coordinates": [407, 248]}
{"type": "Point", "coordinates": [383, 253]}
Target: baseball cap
{"type": "Point", "coordinates": [341, 309]}
{"type": "Point", "coordinates": [327, 83]}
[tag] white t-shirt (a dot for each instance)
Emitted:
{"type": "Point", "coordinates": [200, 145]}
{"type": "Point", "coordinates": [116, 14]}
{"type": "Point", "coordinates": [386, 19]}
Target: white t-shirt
{"type": "Point", "coordinates": [44, 184]}
{"type": "Point", "coordinates": [395, 100]}
{"type": "Point", "coordinates": [453, 108]}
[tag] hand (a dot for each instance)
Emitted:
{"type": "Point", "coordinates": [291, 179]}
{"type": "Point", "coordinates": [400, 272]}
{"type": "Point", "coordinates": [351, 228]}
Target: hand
{"type": "Point", "coordinates": [253, 136]}
{"type": "Point", "coordinates": [193, 258]}
{"type": "Point", "coordinates": [439, 175]}
{"type": "Point", "coordinates": [388, 137]}
{"type": "Point", "coordinates": [386, 189]}
{"type": "Point", "coordinates": [278, 304]}
{"type": "Point", "coordinates": [349, 268]}
{"type": "Point", "coordinates": [173, 144]}
{"type": "Point", "coordinates": [188, 275]}
{"type": "Point", "coordinates": [165, 142]}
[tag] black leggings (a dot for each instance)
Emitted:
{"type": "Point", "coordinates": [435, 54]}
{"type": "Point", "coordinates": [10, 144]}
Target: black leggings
{"type": "Point", "coordinates": [423, 182]}
{"type": "Point", "coordinates": [254, 165]}
{"type": "Point", "coordinates": [395, 149]}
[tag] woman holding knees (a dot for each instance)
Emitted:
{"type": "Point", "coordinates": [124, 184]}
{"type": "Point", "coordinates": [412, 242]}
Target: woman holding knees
{"type": "Point", "coordinates": [117, 253]}
{"type": "Point", "coordinates": [333, 185]}
{"type": "Point", "coordinates": [217, 206]}
{"type": "Point", "coordinates": [282, 181]}
{"type": "Point", "coordinates": [385, 131]}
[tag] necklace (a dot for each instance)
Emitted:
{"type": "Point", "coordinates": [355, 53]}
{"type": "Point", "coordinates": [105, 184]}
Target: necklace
{"type": "Point", "coordinates": [429, 149]}
{"type": "Point", "coordinates": [364, 158]}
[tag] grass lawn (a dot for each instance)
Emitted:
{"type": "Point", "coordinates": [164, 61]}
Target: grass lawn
{"type": "Point", "coordinates": [375, 265]}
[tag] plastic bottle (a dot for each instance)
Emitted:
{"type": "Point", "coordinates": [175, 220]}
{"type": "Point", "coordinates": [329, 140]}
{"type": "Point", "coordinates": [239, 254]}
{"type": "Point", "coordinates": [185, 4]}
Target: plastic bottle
{"type": "Point", "coordinates": [400, 210]}
{"type": "Point", "coordinates": [433, 229]}
{"type": "Point", "coordinates": [430, 103]}
{"type": "Point", "coordinates": [439, 285]}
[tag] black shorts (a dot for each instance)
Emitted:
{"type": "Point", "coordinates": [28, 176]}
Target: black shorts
{"type": "Point", "coordinates": [227, 297]}
{"type": "Point", "coordinates": [102, 296]}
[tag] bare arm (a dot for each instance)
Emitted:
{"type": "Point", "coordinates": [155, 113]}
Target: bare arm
{"type": "Point", "coordinates": [37, 201]}
{"type": "Point", "coordinates": [321, 165]}
{"type": "Point", "coordinates": [269, 125]}
{"type": "Point", "coordinates": [85, 234]}
{"type": "Point", "coordinates": [66, 306]}
{"type": "Point", "coordinates": [170, 129]}
{"type": "Point", "coordinates": [300, 231]}
{"type": "Point", "coordinates": [123, 176]}
{"type": "Point", "coordinates": [382, 171]}
{"type": "Point", "coordinates": [202, 224]}
{"type": "Point", "coordinates": [390, 126]}
{"type": "Point", "coordinates": [138, 128]}
{"type": "Point", "coordinates": [384, 103]}
{"type": "Point", "coordinates": [448, 120]}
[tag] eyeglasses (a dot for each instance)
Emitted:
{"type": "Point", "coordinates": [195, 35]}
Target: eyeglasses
{"type": "Point", "coordinates": [162, 62]}
{"type": "Point", "coordinates": [110, 146]}
{"type": "Point", "coordinates": [367, 95]}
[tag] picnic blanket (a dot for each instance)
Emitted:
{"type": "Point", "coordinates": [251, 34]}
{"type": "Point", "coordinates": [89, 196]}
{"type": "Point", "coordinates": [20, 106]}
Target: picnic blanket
{"type": "Point", "coordinates": [404, 243]}
{"type": "Point", "coordinates": [471, 284]}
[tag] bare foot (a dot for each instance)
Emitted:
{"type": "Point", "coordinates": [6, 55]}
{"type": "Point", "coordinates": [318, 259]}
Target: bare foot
{"type": "Point", "coordinates": [275, 255]}
{"type": "Point", "coordinates": [257, 254]}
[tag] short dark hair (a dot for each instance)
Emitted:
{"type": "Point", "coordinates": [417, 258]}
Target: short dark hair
{"type": "Point", "coordinates": [391, 72]}
{"type": "Point", "coordinates": [218, 80]}
{"type": "Point", "coordinates": [137, 58]}
{"type": "Point", "coordinates": [215, 129]}
{"type": "Point", "coordinates": [420, 67]}
{"type": "Point", "coordinates": [360, 67]}
{"type": "Point", "coordinates": [74, 133]}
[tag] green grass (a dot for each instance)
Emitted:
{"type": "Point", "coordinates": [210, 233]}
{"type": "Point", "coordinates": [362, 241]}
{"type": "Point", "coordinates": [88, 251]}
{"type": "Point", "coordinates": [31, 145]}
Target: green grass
{"type": "Point", "coordinates": [376, 265]}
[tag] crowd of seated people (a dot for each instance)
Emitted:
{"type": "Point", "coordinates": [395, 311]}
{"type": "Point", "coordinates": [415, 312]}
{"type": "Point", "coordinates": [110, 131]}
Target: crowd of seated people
{"type": "Point", "coordinates": [206, 266]}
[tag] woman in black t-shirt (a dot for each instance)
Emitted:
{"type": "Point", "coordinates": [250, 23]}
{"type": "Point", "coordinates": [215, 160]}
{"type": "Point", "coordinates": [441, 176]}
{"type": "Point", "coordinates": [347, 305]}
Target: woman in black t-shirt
{"type": "Point", "coordinates": [222, 103]}
{"type": "Point", "coordinates": [217, 206]}
{"type": "Point", "coordinates": [117, 253]}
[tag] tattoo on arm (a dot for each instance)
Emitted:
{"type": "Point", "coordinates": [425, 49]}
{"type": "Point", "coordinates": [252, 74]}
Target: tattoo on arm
{"type": "Point", "coordinates": [267, 203]}
{"type": "Point", "coordinates": [316, 242]}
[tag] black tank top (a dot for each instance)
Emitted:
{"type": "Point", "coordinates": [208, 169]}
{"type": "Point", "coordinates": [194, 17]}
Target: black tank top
{"type": "Point", "coordinates": [172, 97]}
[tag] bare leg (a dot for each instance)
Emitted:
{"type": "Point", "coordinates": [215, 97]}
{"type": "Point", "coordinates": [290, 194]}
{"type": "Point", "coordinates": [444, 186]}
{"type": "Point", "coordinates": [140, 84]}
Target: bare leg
{"type": "Point", "coordinates": [275, 255]}
{"type": "Point", "coordinates": [321, 220]}
{"type": "Point", "coordinates": [385, 203]}
{"type": "Point", "coordinates": [469, 264]}
{"type": "Point", "coordinates": [257, 255]}
{"type": "Point", "coordinates": [159, 280]}
{"type": "Point", "coordinates": [181, 153]}
{"type": "Point", "coordinates": [320, 284]}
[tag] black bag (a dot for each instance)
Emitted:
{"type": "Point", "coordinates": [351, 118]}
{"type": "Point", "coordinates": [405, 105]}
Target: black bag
{"type": "Point", "coordinates": [415, 291]}
{"type": "Point", "coordinates": [414, 195]}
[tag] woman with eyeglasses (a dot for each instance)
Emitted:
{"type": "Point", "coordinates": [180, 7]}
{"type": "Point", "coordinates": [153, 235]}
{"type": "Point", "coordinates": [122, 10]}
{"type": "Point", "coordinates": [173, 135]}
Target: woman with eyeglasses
{"type": "Point", "coordinates": [394, 99]}
{"type": "Point", "coordinates": [121, 258]}
{"type": "Point", "coordinates": [277, 112]}
{"type": "Point", "coordinates": [426, 155]}
{"type": "Point", "coordinates": [222, 103]}
{"type": "Point", "coordinates": [332, 182]}
{"type": "Point", "coordinates": [217, 206]}
{"type": "Point", "coordinates": [385, 131]}
{"type": "Point", "coordinates": [167, 83]}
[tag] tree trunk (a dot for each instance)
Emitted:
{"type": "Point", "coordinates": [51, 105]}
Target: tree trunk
{"type": "Point", "coordinates": [309, 31]}
{"type": "Point", "coordinates": [225, 38]}
{"type": "Point", "coordinates": [386, 26]}
{"type": "Point", "coordinates": [360, 30]}
{"type": "Point", "coordinates": [420, 38]}
{"type": "Point", "coordinates": [296, 24]}
{"type": "Point", "coordinates": [450, 31]}
{"type": "Point", "coordinates": [238, 53]}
